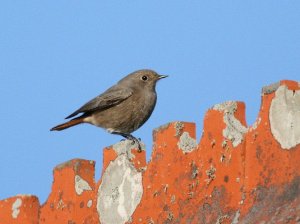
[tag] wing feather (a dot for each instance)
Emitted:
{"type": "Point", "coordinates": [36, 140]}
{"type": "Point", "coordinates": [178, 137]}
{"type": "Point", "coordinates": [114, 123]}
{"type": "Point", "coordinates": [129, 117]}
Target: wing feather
{"type": "Point", "coordinates": [109, 98]}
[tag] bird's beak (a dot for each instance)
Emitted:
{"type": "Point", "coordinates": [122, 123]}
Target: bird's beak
{"type": "Point", "coordinates": [162, 76]}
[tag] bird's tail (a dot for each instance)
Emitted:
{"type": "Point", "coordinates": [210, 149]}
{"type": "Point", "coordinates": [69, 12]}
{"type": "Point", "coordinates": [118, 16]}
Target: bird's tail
{"type": "Point", "coordinates": [75, 121]}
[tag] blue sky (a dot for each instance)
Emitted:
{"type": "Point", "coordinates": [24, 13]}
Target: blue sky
{"type": "Point", "coordinates": [56, 55]}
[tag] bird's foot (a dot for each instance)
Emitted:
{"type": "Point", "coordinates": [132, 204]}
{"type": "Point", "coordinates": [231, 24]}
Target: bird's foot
{"type": "Point", "coordinates": [139, 146]}
{"type": "Point", "coordinates": [133, 141]}
{"type": "Point", "coordinates": [136, 140]}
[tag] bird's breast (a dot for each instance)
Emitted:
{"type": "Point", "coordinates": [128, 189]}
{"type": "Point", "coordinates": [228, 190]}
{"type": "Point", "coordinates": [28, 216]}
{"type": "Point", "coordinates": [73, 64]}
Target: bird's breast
{"type": "Point", "coordinates": [127, 116]}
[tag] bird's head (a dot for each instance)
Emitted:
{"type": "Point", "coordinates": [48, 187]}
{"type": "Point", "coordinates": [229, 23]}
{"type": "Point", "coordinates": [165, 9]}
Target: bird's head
{"type": "Point", "coordinates": [144, 78]}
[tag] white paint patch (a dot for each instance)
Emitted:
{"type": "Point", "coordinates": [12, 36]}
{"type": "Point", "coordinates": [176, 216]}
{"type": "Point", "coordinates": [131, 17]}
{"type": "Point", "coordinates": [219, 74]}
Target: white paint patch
{"type": "Point", "coordinates": [16, 208]}
{"type": "Point", "coordinates": [120, 192]}
{"type": "Point", "coordinates": [125, 147]}
{"type": "Point", "coordinates": [89, 203]}
{"type": "Point", "coordinates": [270, 88]}
{"type": "Point", "coordinates": [284, 117]}
{"type": "Point", "coordinates": [178, 128]}
{"type": "Point", "coordinates": [186, 143]}
{"type": "Point", "coordinates": [255, 124]}
{"type": "Point", "coordinates": [81, 185]}
{"type": "Point", "coordinates": [236, 217]}
{"type": "Point", "coordinates": [234, 130]}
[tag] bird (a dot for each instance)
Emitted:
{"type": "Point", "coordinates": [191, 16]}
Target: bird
{"type": "Point", "coordinates": [121, 109]}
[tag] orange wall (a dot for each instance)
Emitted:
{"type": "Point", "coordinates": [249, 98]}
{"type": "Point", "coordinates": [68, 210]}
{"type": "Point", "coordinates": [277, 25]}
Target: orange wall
{"type": "Point", "coordinates": [235, 174]}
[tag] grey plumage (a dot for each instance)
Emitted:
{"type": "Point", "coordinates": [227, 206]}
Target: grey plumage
{"type": "Point", "coordinates": [121, 109]}
{"type": "Point", "coordinates": [109, 98]}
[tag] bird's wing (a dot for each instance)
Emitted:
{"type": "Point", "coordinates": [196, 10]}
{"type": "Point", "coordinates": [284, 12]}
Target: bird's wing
{"type": "Point", "coordinates": [109, 98]}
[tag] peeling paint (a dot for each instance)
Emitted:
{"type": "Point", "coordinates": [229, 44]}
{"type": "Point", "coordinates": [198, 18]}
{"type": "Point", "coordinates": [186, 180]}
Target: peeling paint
{"type": "Point", "coordinates": [211, 174]}
{"type": "Point", "coordinates": [194, 170]}
{"type": "Point", "coordinates": [255, 124]}
{"type": "Point", "coordinates": [162, 127]}
{"type": "Point", "coordinates": [16, 208]}
{"type": "Point", "coordinates": [236, 217]}
{"type": "Point", "coordinates": [284, 117]}
{"type": "Point", "coordinates": [234, 130]}
{"type": "Point", "coordinates": [187, 143]}
{"type": "Point", "coordinates": [75, 164]}
{"type": "Point", "coordinates": [222, 158]}
{"type": "Point", "coordinates": [125, 147]}
{"type": "Point", "coordinates": [221, 219]}
{"type": "Point", "coordinates": [89, 203]}
{"type": "Point", "coordinates": [224, 144]}
{"type": "Point", "coordinates": [120, 192]}
{"type": "Point", "coordinates": [270, 88]}
{"type": "Point", "coordinates": [178, 128]}
{"type": "Point", "coordinates": [63, 165]}
{"type": "Point", "coordinates": [258, 184]}
{"type": "Point", "coordinates": [213, 143]}
{"type": "Point", "coordinates": [173, 199]}
{"type": "Point", "coordinates": [60, 204]}
{"type": "Point", "coordinates": [81, 185]}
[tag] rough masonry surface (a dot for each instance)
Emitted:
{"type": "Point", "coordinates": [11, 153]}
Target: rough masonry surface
{"type": "Point", "coordinates": [234, 174]}
{"type": "Point", "coordinates": [120, 191]}
{"type": "Point", "coordinates": [285, 117]}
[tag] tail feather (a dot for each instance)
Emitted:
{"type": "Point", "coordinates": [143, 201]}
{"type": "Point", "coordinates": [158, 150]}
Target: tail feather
{"type": "Point", "coordinates": [68, 124]}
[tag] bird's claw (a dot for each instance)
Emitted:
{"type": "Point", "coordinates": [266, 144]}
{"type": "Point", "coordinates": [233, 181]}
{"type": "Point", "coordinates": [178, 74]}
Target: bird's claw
{"type": "Point", "coordinates": [133, 141]}
{"type": "Point", "coordinates": [138, 142]}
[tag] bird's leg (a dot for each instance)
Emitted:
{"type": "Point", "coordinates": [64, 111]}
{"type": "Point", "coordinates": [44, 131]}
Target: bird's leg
{"type": "Point", "coordinates": [134, 140]}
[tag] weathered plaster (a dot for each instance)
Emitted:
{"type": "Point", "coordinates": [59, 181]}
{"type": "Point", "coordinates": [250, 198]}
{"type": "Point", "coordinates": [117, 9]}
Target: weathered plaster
{"type": "Point", "coordinates": [234, 130]}
{"type": "Point", "coordinates": [89, 203]}
{"type": "Point", "coordinates": [81, 185]}
{"type": "Point", "coordinates": [178, 127]}
{"type": "Point", "coordinates": [125, 147]}
{"type": "Point", "coordinates": [284, 117]}
{"type": "Point", "coordinates": [16, 208]}
{"type": "Point", "coordinates": [120, 191]}
{"type": "Point", "coordinates": [186, 143]}
{"type": "Point", "coordinates": [270, 88]}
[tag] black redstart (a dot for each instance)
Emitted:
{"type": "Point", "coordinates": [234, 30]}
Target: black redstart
{"type": "Point", "coordinates": [121, 109]}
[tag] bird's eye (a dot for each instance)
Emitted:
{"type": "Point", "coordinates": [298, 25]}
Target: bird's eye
{"type": "Point", "coordinates": [144, 78]}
